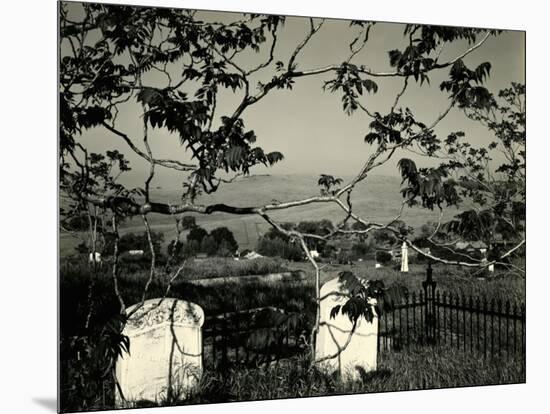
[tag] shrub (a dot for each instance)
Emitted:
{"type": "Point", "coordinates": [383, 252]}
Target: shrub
{"type": "Point", "coordinates": [328, 251]}
{"type": "Point", "coordinates": [224, 238]}
{"type": "Point", "coordinates": [343, 257]}
{"type": "Point", "coordinates": [383, 257]}
{"type": "Point", "coordinates": [278, 247]}
{"type": "Point", "coordinates": [197, 234]}
{"type": "Point", "coordinates": [209, 246]}
{"type": "Point", "coordinates": [188, 222]}
{"type": "Point", "coordinates": [360, 250]}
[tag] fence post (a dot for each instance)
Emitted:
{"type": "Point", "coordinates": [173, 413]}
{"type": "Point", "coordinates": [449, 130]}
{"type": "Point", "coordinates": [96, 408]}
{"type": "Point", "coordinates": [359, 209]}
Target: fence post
{"type": "Point", "coordinates": [429, 313]}
{"type": "Point", "coordinates": [224, 362]}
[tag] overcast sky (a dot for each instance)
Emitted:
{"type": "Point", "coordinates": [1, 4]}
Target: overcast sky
{"type": "Point", "coordinates": [307, 124]}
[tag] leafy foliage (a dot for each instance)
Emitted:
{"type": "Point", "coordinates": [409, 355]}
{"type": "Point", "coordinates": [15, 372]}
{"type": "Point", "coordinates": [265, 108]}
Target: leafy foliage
{"type": "Point", "coordinates": [197, 234]}
{"type": "Point", "coordinates": [465, 87]}
{"type": "Point", "coordinates": [350, 83]}
{"type": "Point", "coordinates": [188, 222]}
{"type": "Point", "coordinates": [107, 51]}
{"type": "Point", "coordinates": [497, 190]}
{"type": "Point", "coordinates": [327, 182]}
{"type": "Point", "coordinates": [428, 184]}
{"type": "Point", "coordinates": [90, 359]}
{"type": "Point", "coordinates": [274, 243]}
{"type": "Point", "coordinates": [366, 298]}
{"type": "Point", "coordinates": [383, 257]}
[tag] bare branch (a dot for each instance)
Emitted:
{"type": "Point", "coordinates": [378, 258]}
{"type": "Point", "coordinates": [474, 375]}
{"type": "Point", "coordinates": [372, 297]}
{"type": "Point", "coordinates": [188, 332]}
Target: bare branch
{"type": "Point", "coordinates": [115, 266]}
{"type": "Point", "coordinates": [152, 271]}
{"type": "Point", "coordinates": [270, 58]}
{"type": "Point", "coordinates": [173, 164]}
{"type": "Point", "coordinates": [340, 348]}
{"type": "Point", "coordinates": [303, 43]}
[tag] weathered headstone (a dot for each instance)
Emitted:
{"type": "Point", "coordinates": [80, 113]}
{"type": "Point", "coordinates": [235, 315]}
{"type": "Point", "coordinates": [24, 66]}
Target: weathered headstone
{"type": "Point", "coordinates": [165, 351]}
{"type": "Point", "coordinates": [359, 356]}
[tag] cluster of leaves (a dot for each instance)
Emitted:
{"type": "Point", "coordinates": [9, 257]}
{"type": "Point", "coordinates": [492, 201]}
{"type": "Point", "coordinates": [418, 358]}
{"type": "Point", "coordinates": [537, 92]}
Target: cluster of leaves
{"type": "Point", "coordinates": [98, 176]}
{"type": "Point", "coordinates": [420, 56]}
{"type": "Point", "coordinates": [472, 225]}
{"type": "Point", "coordinates": [400, 127]}
{"type": "Point", "coordinates": [506, 120]}
{"type": "Point", "coordinates": [282, 81]}
{"type": "Point", "coordinates": [465, 87]}
{"type": "Point", "coordinates": [327, 182]}
{"type": "Point", "coordinates": [366, 299]}
{"type": "Point", "coordinates": [383, 257]}
{"type": "Point", "coordinates": [427, 184]}
{"type": "Point", "coordinates": [90, 359]}
{"type": "Point", "coordinates": [349, 81]}
{"type": "Point", "coordinates": [498, 191]}
{"type": "Point", "coordinates": [318, 228]}
{"type": "Point", "coordinates": [240, 36]}
{"type": "Point", "coordinates": [106, 51]}
{"type": "Point", "coordinates": [228, 148]}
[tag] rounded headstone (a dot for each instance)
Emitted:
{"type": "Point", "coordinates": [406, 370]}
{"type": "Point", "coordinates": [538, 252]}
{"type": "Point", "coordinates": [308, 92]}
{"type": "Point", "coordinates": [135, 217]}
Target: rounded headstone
{"type": "Point", "coordinates": [165, 351]}
{"type": "Point", "coordinates": [359, 356]}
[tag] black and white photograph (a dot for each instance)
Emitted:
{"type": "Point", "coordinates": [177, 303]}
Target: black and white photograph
{"type": "Point", "coordinates": [257, 206]}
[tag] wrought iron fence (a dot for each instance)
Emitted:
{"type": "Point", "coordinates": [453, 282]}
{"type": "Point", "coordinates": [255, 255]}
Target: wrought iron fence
{"type": "Point", "coordinates": [251, 337]}
{"type": "Point", "coordinates": [467, 323]}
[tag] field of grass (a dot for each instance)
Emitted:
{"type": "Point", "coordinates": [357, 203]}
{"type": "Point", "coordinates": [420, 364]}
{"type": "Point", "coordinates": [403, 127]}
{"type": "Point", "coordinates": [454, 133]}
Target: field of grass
{"type": "Point", "coordinates": [227, 297]}
{"type": "Point", "coordinates": [448, 278]}
{"type": "Point", "coordinates": [295, 296]}
{"type": "Point", "coordinates": [377, 199]}
{"type": "Point", "coordinates": [414, 369]}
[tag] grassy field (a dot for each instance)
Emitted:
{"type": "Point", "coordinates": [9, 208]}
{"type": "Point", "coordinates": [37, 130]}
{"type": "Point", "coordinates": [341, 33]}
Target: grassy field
{"type": "Point", "coordinates": [413, 369]}
{"type": "Point", "coordinates": [292, 296]}
{"type": "Point", "coordinates": [448, 278]}
{"type": "Point", "coordinates": [377, 199]}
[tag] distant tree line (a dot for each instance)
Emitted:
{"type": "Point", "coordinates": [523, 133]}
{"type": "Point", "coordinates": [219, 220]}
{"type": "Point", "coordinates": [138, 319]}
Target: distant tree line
{"type": "Point", "coordinates": [274, 243]}
{"type": "Point", "coordinates": [219, 242]}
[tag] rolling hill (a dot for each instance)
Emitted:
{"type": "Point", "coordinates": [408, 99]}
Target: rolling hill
{"type": "Point", "coordinates": [377, 199]}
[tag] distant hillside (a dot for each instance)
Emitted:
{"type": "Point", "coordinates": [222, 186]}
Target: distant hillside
{"type": "Point", "coordinates": [377, 199]}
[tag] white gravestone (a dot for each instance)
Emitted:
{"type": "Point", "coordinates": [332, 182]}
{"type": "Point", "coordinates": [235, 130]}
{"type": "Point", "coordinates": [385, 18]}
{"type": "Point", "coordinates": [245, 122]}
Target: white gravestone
{"type": "Point", "coordinates": [333, 334]}
{"type": "Point", "coordinates": [404, 258]}
{"type": "Point", "coordinates": [94, 257]}
{"type": "Point", "coordinates": [165, 351]}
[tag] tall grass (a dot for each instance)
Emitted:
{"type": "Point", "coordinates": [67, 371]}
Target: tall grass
{"type": "Point", "coordinates": [296, 296]}
{"type": "Point", "coordinates": [412, 369]}
{"type": "Point", "coordinates": [224, 267]}
{"type": "Point", "coordinates": [454, 279]}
